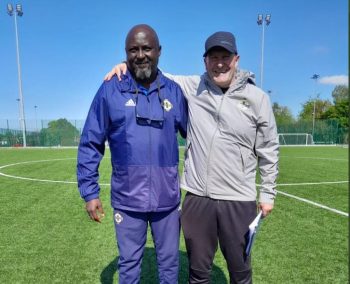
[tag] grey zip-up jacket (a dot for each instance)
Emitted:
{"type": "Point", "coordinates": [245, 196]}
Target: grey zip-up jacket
{"type": "Point", "coordinates": [228, 136]}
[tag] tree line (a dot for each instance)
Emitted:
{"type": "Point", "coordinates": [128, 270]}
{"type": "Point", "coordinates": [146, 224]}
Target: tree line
{"type": "Point", "coordinates": [337, 109]}
{"type": "Point", "coordinates": [330, 117]}
{"type": "Point", "coordinates": [334, 116]}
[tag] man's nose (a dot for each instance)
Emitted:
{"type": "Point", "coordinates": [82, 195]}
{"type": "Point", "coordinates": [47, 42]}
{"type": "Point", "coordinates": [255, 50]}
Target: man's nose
{"type": "Point", "coordinates": [140, 53]}
{"type": "Point", "coordinates": [220, 64]}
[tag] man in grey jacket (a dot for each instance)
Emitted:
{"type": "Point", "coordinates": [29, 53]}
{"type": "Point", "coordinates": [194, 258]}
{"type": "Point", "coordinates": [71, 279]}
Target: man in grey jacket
{"type": "Point", "coordinates": [231, 131]}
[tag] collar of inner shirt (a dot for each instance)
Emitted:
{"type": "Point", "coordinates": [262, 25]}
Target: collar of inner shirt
{"type": "Point", "coordinates": [143, 90]}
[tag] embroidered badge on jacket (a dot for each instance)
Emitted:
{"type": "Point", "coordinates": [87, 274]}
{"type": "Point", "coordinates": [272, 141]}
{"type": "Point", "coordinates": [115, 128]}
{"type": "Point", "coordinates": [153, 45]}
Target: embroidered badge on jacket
{"type": "Point", "coordinates": [167, 105]}
{"type": "Point", "coordinates": [244, 104]}
{"type": "Point", "coordinates": [118, 218]}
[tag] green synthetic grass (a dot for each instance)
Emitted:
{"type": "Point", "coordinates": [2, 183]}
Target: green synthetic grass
{"type": "Point", "coordinates": [46, 236]}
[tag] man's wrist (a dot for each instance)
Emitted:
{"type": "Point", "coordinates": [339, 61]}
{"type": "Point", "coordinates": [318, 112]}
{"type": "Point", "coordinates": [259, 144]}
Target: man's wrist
{"type": "Point", "coordinates": [91, 197]}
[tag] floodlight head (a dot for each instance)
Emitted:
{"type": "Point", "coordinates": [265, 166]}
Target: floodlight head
{"type": "Point", "coordinates": [9, 9]}
{"type": "Point", "coordinates": [260, 19]}
{"type": "Point", "coordinates": [315, 76]}
{"type": "Point", "coordinates": [268, 19]}
{"type": "Point", "coordinates": [19, 10]}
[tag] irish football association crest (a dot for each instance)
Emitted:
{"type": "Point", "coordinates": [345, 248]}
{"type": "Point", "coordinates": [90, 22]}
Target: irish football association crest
{"type": "Point", "coordinates": [118, 218]}
{"type": "Point", "coordinates": [167, 105]}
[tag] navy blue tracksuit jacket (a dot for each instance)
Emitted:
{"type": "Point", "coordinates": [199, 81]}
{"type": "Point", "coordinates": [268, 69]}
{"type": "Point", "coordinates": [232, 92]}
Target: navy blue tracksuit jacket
{"type": "Point", "coordinates": [141, 130]}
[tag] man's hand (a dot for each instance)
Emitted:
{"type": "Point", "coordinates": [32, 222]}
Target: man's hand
{"type": "Point", "coordinates": [265, 208]}
{"type": "Point", "coordinates": [95, 210]}
{"type": "Point", "coordinates": [117, 70]}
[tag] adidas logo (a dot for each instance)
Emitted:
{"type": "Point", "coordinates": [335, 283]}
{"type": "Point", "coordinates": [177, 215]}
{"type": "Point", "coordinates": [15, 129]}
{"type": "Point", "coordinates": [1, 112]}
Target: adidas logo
{"type": "Point", "coordinates": [130, 103]}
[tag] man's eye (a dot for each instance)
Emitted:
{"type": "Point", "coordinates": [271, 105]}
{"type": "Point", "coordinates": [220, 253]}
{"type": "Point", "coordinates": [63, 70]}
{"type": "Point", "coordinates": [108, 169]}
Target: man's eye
{"type": "Point", "coordinates": [147, 49]}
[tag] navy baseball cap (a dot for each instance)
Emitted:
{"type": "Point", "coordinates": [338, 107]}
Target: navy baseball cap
{"type": "Point", "coordinates": [221, 39]}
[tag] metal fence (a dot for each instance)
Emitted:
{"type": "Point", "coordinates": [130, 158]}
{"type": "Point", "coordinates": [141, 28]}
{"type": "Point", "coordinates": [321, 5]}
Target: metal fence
{"type": "Point", "coordinates": [324, 131]}
{"type": "Point", "coordinates": [63, 132]}
{"type": "Point", "coordinates": [44, 133]}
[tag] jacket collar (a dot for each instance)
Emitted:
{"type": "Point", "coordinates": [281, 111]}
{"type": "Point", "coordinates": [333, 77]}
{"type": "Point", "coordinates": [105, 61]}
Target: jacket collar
{"type": "Point", "coordinates": [128, 83]}
{"type": "Point", "coordinates": [241, 79]}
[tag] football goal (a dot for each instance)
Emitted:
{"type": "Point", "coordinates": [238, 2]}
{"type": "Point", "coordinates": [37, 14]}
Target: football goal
{"type": "Point", "coordinates": [295, 139]}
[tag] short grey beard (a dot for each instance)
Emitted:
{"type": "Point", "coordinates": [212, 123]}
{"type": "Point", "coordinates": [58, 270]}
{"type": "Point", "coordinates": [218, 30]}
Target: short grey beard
{"type": "Point", "coordinates": [142, 74]}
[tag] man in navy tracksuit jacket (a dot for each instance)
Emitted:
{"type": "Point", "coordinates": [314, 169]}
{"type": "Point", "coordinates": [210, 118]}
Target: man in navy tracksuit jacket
{"type": "Point", "coordinates": [139, 117]}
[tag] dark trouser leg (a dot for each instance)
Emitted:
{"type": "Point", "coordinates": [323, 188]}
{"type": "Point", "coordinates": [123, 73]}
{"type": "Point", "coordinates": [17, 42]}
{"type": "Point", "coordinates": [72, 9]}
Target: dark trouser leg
{"type": "Point", "coordinates": [131, 232]}
{"type": "Point", "coordinates": [198, 219]}
{"type": "Point", "coordinates": [166, 232]}
{"type": "Point", "coordinates": [234, 219]}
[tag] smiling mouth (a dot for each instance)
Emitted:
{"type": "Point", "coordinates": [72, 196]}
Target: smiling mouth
{"type": "Point", "coordinates": [218, 73]}
{"type": "Point", "coordinates": [142, 65]}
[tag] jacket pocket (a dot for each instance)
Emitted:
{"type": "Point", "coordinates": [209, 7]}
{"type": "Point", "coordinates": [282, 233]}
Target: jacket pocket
{"type": "Point", "coordinates": [243, 162]}
{"type": "Point", "coordinates": [187, 155]}
{"type": "Point", "coordinates": [248, 159]}
{"type": "Point", "coordinates": [119, 184]}
{"type": "Point", "coordinates": [165, 186]}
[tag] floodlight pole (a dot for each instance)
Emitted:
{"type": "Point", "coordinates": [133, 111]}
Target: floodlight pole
{"type": "Point", "coordinates": [19, 13]}
{"type": "Point", "coordinates": [36, 120]}
{"type": "Point", "coordinates": [314, 77]}
{"type": "Point", "coordinates": [262, 22]}
{"type": "Point", "coordinates": [19, 105]}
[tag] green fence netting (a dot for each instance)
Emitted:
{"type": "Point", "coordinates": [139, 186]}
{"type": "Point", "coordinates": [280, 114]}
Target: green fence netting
{"type": "Point", "coordinates": [63, 132]}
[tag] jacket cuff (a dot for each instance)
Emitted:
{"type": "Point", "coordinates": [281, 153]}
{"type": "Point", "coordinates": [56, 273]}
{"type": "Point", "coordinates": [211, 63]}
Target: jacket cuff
{"type": "Point", "coordinates": [267, 198]}
{"type": "Point", "coordinates": [91, 197]}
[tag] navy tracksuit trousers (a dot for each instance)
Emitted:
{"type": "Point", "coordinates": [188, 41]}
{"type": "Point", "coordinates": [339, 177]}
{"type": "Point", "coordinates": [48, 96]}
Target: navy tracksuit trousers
{"type": "Point", "coordinates": [131, 233]}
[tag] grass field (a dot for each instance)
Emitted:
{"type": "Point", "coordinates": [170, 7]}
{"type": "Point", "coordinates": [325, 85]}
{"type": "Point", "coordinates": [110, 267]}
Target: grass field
{"type": "Point", "coordinates": [46, 236]}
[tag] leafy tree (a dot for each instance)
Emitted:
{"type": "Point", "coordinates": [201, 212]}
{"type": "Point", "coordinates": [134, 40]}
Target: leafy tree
{"type": "Point", "coordinates": [340, 93]}
{"type": "Point", "coordinates": [283, 115]}
{"type": "Point", "coordinates": [59, 133]}
{"type": "Point", "coordinates": [321, 107]}
{"type": "Point", "coordinates": [332, 118]}
{"type": "Point", "coordinates": [340, 109]}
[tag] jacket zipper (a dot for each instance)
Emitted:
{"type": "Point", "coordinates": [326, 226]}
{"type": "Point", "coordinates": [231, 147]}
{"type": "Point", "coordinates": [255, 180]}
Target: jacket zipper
{"type": "Point", "coordinates": [150, 156]}
{"type": "Point", "coordinates": [212, 141]}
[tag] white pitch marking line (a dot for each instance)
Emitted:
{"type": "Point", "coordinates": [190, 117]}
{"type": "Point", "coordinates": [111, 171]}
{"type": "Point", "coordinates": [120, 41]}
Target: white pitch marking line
{"type": "Point", "coordinates": [41, 180]}
{"type": "Point", "coordinates": [46, 180]}
{"type": "Point", "coordinates": [310, 158]}
{"type": "Point", "coordinates": [309, 201]}
{"type": "Point", "coordinates": [314, 158]}
{"type": "Point", "coordinates": [314, 203]}
{"type": "Point", "coordinates": [106, 184]}
{"type": "Point", "coordinates": [30, 162]}
{"type": "Point", "coordinates": [311, 183]}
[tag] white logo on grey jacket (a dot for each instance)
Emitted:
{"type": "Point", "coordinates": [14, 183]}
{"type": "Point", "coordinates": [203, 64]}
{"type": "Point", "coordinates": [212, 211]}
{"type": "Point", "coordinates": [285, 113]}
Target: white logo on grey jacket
{"type": "Point", "coordinates": [243, 104]}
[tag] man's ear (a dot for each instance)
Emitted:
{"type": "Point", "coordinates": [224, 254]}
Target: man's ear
{"type": "Point", "coordinates": [160, 50]}
{"type": "Point", "coordinates": [206, 62]}
{"type": "Point", "coordinates": [237, 59]}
